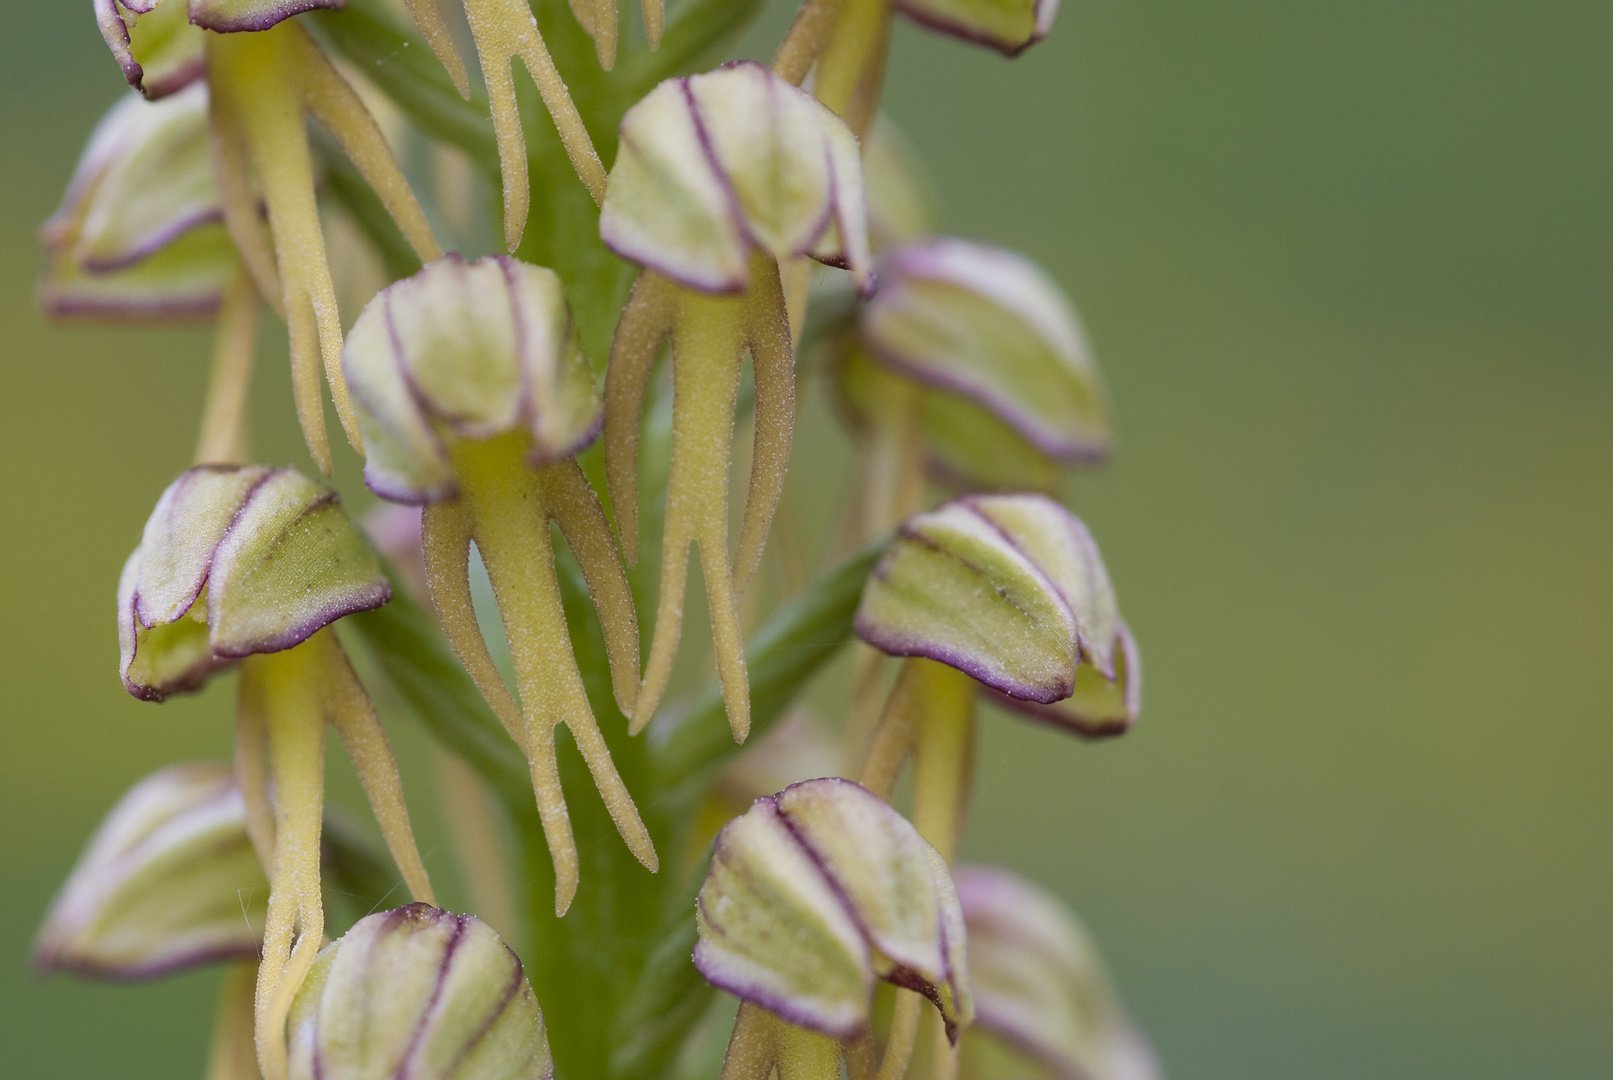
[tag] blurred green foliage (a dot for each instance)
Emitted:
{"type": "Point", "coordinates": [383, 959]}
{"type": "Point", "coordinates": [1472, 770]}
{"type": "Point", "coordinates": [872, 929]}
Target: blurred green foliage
{"type": "Point", "coordinates": [1349, 270]}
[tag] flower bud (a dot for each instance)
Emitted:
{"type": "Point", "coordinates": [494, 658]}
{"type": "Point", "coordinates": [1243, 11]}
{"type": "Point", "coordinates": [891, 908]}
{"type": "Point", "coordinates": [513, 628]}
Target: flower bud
{"type": "Point", "coordinates": [1010, 28]}
{"type": "Point", "coordinates": [988, 325]}
{"type": "Point", "coordinates": [237, 560]}
{"type": "Point", "coordinates": [714, 165]}
{"type": "Point", "coordinates": [1040, 985]}
{"type": "Point", "coordinates": [153, 42]}
{"type": "Point", "coordinates": [1010, 589]}
{"type": "Point", "coordinates": [467, 350]}
{"type": "Point", "coordinates": [169, 881]}
{"type": "Point", "coordinates": [421, 993]}
{"type": "Point", "coordinates": [816, 892]}
{"type": "Point", "coordinates": [967, 448]}
{"type": "Point", "coordinates": [140, 233]}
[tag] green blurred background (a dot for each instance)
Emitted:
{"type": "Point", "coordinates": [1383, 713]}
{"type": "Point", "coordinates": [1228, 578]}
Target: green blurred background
{"type": "Point", "coordinates": [1349, 268]}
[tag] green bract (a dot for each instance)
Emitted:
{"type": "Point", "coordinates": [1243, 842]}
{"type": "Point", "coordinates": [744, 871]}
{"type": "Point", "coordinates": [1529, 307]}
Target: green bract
{"type": "Point", "coordinates": [816, 892]}
{"type": "Point", "coordinates": [989, 326]}
{"type": "Point", "coordinates": [420, 993]}
{"type": "Point", "coordinates": [470, 351]}
{"type": "Point", "coordinates": [237, 560]}
{"type": "Point", "coordinates": [1041, 987]}
{"type": "Point", "coordinates": [715, 165]}
{"type": "Point", "coordinates": [140, 233]}
{"type": "Point", "coordinates": [1010, 589]}
{"type": "Point", "coordinates": [169, 881]}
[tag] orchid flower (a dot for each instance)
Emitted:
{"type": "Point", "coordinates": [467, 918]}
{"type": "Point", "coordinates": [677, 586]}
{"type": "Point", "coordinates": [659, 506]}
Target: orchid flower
{"type": "Point", "coordinates": [474, 397]}
{"type": "Point", "coordinates": [252, 565]}
{"type": "Point", "coordinates": [719, 177]}
{"type": "Point", "coordinates": [264, 73]}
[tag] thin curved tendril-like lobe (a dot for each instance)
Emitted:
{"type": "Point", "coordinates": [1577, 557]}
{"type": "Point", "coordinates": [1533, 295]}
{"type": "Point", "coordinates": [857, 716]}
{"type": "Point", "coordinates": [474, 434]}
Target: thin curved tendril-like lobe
{"type": "Point", "coordinates": [296, 749]}
{"type": "Point", "coordinates": [707, 342]}
{"type": "Point", "coordinates": [352, 713]}
{"type": "Point", "coordinates": [572, 503]}
{"type": "Point", "coordinates": [446, 538]}
{"type": "Point", "coordinates": [709, 338]}
{"type": "Point", "coordinates": [504, 30]}
{"type": "Point", "coordinates": [297, 691]}
{"type": "Point", "coordinates": [264, 83]}
{"type": "Point", "coordinates": [767, 331]}
{"type": "Point", "coordinates": [429, 19]}
{"type": "Point", "coordinates": [645, 323]}
{"type": "Point", "coordinates": [510, 513]}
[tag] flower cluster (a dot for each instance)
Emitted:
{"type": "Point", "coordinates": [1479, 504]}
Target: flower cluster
{"type": "Point", "coordinates": [513, 408]}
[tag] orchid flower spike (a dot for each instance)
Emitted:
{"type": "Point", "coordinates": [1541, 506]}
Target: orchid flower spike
{"type": "Point", "coordinates": [718, 178]}
{"type": "Point", "coordinates": [988, 357]}
{"type": "Point", "coordinates": [169, 881]}
{"type": "Point", "coordinates": [1042, 993]}
{"type": "Point", "coordinates": [264, 72]}
{"type": "Point", "coordinates": [473, 395]}
{"type": "Point", "coordinates": [253, 564]}
{"type": "Point", "coordinates": [140, 232]}
{"type": "Point", "coordinates": [505, 30]}
{"type": "Point", "coordinates": [812, 895]}
{"type": "Point", "coordinates": [1012, 591]}
{"type": "Point", "coordinates": [418, 992]}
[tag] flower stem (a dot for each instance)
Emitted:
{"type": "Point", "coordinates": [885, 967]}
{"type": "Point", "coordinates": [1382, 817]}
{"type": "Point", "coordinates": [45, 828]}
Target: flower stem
{"type": "Point", "coordinates": [231, 1056]}
{"type": "Point", "coordinates": [296, 734]}
{"type": "Point", "coordinates": [851, 67]}
{"type": "Point", "coordinates": [943, 761]}
{"type": "Point", "coordinates": [223, 439]}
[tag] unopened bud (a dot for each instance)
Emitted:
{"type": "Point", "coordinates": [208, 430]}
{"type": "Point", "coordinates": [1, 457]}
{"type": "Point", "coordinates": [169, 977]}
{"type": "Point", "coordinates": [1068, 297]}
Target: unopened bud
{"type": "Point", "coordinates": [237, 560]}
{"type": "Point", "coordinates": [967, 447]}
{"type": "Point", "coordinates": [466, 350]}
{"type": "Point", "coordinates": [816, 892]}
{"type": "Point", "coordinates": [1012, 590]}
{"type": "Point", "coordinates": [169, 881]}
{"type": "Point", "coordinates": [421, 993]}
{"type": "Point", "coordinates": [989, 326]}
{"type": "Point", "coordinates": [1010, 27]}
{"type": "Point", "coordinates": [714, 165]}
{"type": "Point", "coordinates": [140, 232]}
{"type": "Point", "coordinates": [1040, 985]}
